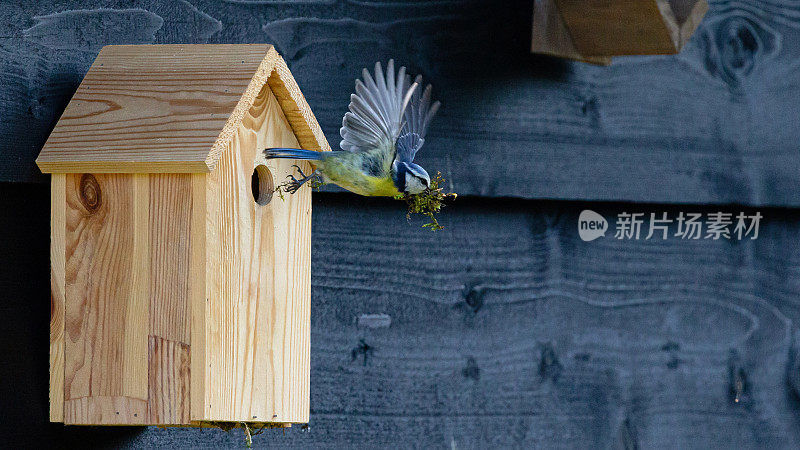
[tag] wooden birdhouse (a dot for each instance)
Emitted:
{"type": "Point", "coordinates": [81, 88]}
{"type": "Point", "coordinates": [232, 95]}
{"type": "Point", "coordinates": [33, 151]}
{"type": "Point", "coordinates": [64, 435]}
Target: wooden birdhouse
{"type": "Point", "coordinates": [180, 288]}
{"type": "Point", "coordinates": [596, 30]}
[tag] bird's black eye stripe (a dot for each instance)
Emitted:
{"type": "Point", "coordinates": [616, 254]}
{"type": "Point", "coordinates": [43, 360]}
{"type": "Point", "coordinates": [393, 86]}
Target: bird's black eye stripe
{"type": "Point", "coordinates": [400, 178]}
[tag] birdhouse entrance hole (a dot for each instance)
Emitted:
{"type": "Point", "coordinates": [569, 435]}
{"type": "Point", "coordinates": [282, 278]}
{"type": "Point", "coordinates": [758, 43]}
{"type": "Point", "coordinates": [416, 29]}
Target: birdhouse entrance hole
{"type": "Point", "coordinates": [262, 185]}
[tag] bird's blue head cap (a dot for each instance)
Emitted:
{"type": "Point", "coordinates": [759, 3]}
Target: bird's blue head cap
{"type": "Point", "coordinates": [411, 178]}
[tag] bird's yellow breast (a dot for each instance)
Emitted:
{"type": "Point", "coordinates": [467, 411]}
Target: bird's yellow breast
{"type": "Point", "coordinates": [346, 171]}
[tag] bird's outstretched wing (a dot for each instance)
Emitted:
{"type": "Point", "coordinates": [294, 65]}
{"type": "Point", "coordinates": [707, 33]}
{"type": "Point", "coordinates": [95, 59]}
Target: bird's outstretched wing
{"type": "Point", "coordinates": [417, 117]}
{"type": "Point", "coordinates": [375, 119]}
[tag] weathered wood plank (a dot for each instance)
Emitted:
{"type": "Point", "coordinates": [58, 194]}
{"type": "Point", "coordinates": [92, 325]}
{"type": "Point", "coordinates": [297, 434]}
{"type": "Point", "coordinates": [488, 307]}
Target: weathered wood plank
{"type": "Point", "coordinates": [506, 330]}
{"type": "Point", "coordinates": [715, 124]}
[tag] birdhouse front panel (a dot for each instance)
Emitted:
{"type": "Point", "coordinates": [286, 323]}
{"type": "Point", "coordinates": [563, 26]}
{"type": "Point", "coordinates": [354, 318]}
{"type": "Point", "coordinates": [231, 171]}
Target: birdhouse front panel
{"type": "Point", "coordinates": [258, 253]}
{"type": "Point", "coordinates": [180, 289]}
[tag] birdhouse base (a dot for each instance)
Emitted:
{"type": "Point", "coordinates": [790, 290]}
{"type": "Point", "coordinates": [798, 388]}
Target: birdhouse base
{"type": "Point", "coordinates": [596, 31]}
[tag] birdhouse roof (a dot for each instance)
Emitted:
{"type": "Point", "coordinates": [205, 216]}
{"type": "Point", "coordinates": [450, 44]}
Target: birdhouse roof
{"type": "Point", "coordinates": [170, 108]}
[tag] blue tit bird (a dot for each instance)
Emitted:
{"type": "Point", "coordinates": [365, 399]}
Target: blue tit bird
{"type": "Point", "coordinates": [381, 134]}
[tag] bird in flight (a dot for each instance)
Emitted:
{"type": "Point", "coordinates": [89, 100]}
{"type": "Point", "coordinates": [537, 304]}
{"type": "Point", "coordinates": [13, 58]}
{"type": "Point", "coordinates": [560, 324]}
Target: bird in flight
{"type": "Point", "coordinates": [381, 134]}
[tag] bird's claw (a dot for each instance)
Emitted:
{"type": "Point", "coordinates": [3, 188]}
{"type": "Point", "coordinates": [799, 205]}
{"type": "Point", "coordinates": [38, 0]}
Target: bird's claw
{"type": "Point", "coordinates": [294, 184]}
{"type": "Point", "coordinates": [299, 170]}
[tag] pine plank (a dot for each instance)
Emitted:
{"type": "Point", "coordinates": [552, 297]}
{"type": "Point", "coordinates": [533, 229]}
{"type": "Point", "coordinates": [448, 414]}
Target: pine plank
{"type": "Point", "coordinates": [166, 108]}
{"type": "Point", "coordinates": [106, 323]}
{"type": "Point", "coordinates": [168, 382]}
{"type": "Point", "coordinates": [252, 298]}
{"type": "Point", "coordinates": [57, 286]}
{"type": "Point", "coordinates": [151, 108]}
{"type": "Point", "coordinates": [198, 299]}
{"type": "Point", "coordinates": [105, 410]}
{"type": "Point", "coordinates": [171, 207]}
{"type": "Point", "coordinates": [170, 212]}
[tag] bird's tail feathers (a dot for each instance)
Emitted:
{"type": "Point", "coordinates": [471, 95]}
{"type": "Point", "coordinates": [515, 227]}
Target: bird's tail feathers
{"type": "Point", "coordinates": [292, 153]}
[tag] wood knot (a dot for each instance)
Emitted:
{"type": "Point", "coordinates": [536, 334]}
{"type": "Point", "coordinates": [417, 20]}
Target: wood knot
{"type": "Point", "coordinates": [738, 387]}
{"type": "Point", "coordinates": [471, 370]}
{"type": "Point", "coordinates": [90, 193]}
{"type": "Point", "coordinates": [734, 43]}
{"type": "Point", "coordinates": [473, 297]}
{"type": "Point", "coordinates": [628, 435]}
{"type": "Point", "coordinates": [362, 349]}
{"type": "Point", "coordinates": [549, 366]}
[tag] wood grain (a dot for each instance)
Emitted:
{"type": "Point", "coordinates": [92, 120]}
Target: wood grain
{"type": "Point", "coordinates": [508, 331]}
{"type": "Point", "coordinates": [640, 333]}
{"type": "Point", "coordinates": [551, 35]}
{"type": "Point", "coordinates": [167, 108]}
{"type": "Point", "coordinates": [258, 294]}
{"type": "Point", "coordinates": [151, 108]}
{"type": "Point", "coordinates": [295, 107]}
{"type": "Point", "coordinates": [139, 278]}
{"type": "Point", "coordinates": [171, 206]}
{"type": "Point", "coordinates": [107, 299]}
{"type": "Point", "coordinates": [57, 286]}
{"type": "Point", "coordinates": [621, 27]}
{"type": "Point", "coordinates": [198, 299]}
{"type": "Point", "coordinates": [128, 298]}
{"type": "Point", "coordinates": [168, 382]}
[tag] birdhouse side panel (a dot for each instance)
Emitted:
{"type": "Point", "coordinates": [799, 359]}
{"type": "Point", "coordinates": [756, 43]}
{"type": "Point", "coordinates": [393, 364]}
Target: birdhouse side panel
{"type": "Point", "coordinates": [128, 242]}
{"type": "Point", "coordinates": [57, 254]}
{"type": "Point", "coordinates": [257, 317]}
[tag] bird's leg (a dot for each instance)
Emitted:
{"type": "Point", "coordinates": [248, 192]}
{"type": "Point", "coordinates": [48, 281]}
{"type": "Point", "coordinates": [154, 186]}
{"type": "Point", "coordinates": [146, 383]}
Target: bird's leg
{"type": "Point", "coordinates": [295, 184]}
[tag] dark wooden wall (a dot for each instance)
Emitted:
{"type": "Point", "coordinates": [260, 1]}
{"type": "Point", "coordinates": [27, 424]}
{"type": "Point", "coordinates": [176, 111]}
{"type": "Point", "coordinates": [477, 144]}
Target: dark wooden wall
{"type": "Point", "coordinates": [504, 330]}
